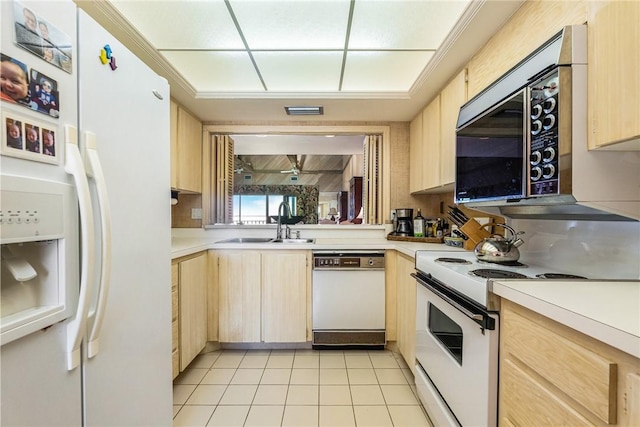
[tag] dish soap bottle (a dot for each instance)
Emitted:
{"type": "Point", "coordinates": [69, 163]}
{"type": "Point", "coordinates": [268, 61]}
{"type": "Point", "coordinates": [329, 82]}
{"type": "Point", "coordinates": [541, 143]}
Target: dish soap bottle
{"type": "Point", "coordinates": [418, 225]}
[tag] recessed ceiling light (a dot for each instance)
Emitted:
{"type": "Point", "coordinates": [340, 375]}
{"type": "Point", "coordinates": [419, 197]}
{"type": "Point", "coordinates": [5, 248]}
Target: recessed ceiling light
{"type": "Point", "coordinates": [304, 111]}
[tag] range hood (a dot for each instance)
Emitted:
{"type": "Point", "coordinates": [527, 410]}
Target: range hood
{"type": "Point", "coordinates": [595, 185]}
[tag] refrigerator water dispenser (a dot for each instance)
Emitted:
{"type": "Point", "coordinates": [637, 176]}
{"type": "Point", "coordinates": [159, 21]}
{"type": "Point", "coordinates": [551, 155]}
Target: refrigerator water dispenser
{"type": "Point", "coordinates": [34, 236]}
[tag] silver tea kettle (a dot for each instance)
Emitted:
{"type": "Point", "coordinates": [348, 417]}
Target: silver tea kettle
{"type": "Point", "coordinates": [499, 249]}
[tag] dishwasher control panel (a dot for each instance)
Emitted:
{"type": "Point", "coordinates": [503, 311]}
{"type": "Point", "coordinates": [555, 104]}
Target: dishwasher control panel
{"type": "Point", "coordinates": [348, 261]}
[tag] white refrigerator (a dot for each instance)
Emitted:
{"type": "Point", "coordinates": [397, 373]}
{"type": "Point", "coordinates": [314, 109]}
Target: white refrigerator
{"type": "Point", "coordinates": [84, 225]}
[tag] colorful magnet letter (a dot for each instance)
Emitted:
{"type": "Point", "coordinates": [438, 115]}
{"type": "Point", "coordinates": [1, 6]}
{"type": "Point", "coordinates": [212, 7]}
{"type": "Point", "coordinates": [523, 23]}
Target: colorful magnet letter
{"type": "Point", "coordinates": [103, 56]}
{"type": "Point", "coordinates": [112, 63]}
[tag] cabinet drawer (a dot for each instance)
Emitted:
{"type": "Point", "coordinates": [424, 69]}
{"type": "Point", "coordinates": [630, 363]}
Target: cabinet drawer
{"type": "Point", "coordinates": [583, 375]}
{"type": "Point", "coordinates": [174, 275]}
{"type": "Point", "coordinates": [174, 335]}
{"type": "Point", "coordinates": [175, 363]}
{"type": "Point", "coordinates": [526, 402]}
{"type": "Point", "coordinates": [175, 308]}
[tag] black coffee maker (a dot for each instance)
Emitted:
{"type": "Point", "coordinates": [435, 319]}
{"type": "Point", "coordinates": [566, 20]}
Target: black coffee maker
{"type": "Point", "coordinates": [404, 222]}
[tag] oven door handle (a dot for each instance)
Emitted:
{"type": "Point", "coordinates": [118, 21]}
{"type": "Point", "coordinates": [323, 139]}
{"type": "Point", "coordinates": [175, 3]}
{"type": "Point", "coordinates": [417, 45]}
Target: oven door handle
{"type": "Point", "coordinates": [482, 318]}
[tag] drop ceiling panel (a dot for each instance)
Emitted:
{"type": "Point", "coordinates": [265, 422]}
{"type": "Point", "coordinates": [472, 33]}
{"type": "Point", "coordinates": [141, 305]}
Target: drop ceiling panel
{"type": "Point", "coordinates": [300, 71]}
{"type": "Point", "coordinates": [383, 71]}
{"type": "Point", "coordinates": [183, 25]}
{"type": "Point", "coordinates": [288, 24]}
{"type": "Point", "coordinates": [403, 24]}
{"type": "Point", "coordinates": [216, 71]}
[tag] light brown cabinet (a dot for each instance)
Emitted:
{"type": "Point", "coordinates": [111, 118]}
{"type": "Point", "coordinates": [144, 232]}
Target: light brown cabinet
{"type": "Point", "coordinates": [285, 287]}
{"type": "Point", "coordinates": [406, 309]}
{"type": "Point", "coordinates": [613, 78]}
{"type": "Point", "coordinates": [452, 97]}
{"type": "Point", "coordinates": [239, 276]}
{"type": "Point", "coordinates": [553, 375]}
{"type": "Point", "coordinates": [432, 140]}
{"type": "Point", "coordinates": [264, 296]}
{"type": "Point", "coordinates": [431, 145]}
{"type": "Point", "coordinates": [416, 161]}
{"type": "Point", "coordinates": [186, 150]}
{"type": "Point", "coordinates": [189, 309]}
{"type": "Point", "coordinates": [175, 320]}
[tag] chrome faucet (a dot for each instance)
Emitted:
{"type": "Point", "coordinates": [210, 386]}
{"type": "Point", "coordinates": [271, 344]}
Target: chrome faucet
{"type": "Point", "coordinates": [279, 228]}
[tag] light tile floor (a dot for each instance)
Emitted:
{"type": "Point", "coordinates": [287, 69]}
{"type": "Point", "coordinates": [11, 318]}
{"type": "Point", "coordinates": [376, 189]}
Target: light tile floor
{"type": "Point", "coordinates": [297, 388]}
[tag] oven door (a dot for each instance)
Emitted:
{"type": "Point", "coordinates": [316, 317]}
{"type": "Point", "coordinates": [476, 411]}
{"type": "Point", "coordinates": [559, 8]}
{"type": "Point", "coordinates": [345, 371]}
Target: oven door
{"type": "Point", "coordinates": [457, 350]}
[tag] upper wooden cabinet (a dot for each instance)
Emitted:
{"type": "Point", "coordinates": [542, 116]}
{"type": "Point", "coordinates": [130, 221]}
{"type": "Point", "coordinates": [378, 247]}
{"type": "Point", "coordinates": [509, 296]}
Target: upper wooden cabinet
{"type": "Point", "coordinates": [613, 70]}
{"type": "Point", "coordinates": [415, 154]}
{"type": "Point", "coordinates": [186, 151]}
{"type": "Point", "coordinates": [431, 145]}
{"type": "Point", "coordinates": [452, 97]}
{"type": "Point", "coordinates": [432, 140]}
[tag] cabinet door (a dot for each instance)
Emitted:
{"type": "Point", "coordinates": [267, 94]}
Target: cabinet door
{"type": "Point", "coordinates": [452, 98]}
{"type": "Point", "coordinates": [284, 296]}
{"type": "Point", "coordinates": [613, 76]}
{"type": "Point", "coordinates": [193, 308]}
{"type": "Point", "coordinates": [416, 161]}
{"type": "Point", "coordinates": [175, 320]}
{"type": "Point", "coordinates": [239, 296]}
{"type": "Point", "coordinates": [406, 295]}
{"type": "Point", "coordinates": [189, 173]}
{"type": "Point", "coordinates": [431, 145]}
{"type": "Point", "coordinates": [173, 129]}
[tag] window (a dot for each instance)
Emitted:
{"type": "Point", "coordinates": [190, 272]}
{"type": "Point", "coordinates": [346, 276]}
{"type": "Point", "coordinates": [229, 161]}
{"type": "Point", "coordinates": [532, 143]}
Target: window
{"type": "Point", "coordinates": [260, 208]}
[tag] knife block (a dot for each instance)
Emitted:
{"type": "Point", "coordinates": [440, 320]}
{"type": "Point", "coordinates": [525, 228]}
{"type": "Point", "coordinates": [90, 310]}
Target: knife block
{"type": "Point", "coordinates": [475, 232]}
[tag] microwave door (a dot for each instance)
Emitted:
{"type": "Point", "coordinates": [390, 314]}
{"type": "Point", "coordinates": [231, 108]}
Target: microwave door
{"type": "Point", "coordinates": [491, 155]}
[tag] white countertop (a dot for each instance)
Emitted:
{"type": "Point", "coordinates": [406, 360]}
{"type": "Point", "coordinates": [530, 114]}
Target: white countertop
{"type": "Point", "coordinates": [183, 246]}
{"type": "Point", "coordinates": [608, 311]}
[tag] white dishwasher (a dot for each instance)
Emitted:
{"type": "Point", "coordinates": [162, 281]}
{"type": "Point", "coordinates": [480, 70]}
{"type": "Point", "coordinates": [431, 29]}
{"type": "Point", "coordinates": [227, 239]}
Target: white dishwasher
{"type": "Point", "coordinates": [348, 299]}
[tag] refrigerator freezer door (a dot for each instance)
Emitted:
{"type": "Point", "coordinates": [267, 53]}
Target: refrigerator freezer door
{"type": "Point", "coordinates": [129, 381]}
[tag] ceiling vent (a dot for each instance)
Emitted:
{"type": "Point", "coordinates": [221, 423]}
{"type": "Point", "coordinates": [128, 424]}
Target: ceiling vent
{"type": "Point", "coordinates": [304, 111]}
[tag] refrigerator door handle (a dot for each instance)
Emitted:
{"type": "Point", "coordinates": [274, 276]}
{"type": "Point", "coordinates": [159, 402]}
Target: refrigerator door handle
{"type": "Point", "coordinates": [94, 170]}
{"type": "Point", "coordinates": [74, 166]}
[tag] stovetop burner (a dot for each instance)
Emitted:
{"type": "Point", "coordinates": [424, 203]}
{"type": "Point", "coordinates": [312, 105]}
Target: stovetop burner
{"type": "Point", "coordinates": [453, 260]}
{"type": "Point", "coordinates": [490, 273]}
{"type": "Point", "coordinates": [505, 264]}
{"type": "Point", "coordinates": [559, 276]}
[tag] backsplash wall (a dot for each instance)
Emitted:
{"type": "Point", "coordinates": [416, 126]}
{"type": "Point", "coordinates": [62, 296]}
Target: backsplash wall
{"type": "Point", "coordinates": [595, 249]}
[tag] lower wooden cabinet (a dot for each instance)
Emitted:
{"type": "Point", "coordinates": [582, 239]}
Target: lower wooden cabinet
{"type": "Point", "coordinates": [264, 296]}
{"type": "Point", "coordinates": [406, 309]}
{"type": "Point", "coordinates": [175, 321]}
{"type": "Point", "coordinates": [285, 287]}
{"type": "Point", "coordinates": [189, 298]}
{"type": "Point", "coordinates": [553, 375]}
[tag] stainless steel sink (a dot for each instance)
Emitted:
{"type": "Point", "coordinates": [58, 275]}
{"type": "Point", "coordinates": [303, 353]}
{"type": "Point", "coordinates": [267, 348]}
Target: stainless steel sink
{"type": "Point", "coordinates": [247, 240]}
{"type": "Point", "coordinates": [293, 241]}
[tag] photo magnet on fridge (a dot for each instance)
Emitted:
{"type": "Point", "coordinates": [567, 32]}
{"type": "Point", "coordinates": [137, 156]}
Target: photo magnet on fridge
{"type": "Point", "coordinates": [29, 139]}
{"type": "Point", "coordinates": [41, 38]}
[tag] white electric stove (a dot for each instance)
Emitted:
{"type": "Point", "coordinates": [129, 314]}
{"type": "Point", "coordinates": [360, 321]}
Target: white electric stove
{"type": "Point", "coordinates": [465, 274]}
{"type": "Point", "coordinates": [457, 334]}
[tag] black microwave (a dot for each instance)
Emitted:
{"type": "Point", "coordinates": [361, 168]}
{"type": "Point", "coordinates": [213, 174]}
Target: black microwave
{"type": "Point", "coordinates": [491, 159]}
